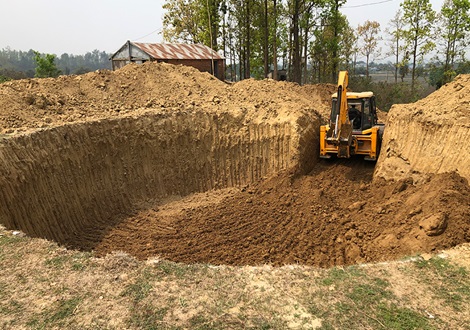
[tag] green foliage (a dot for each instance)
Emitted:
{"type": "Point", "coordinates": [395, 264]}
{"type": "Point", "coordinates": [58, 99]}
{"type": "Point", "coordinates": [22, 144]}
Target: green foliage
{"type": "Point", "coordinates": [388, 94]}
{"type": "Point", "coordinates": [454, 29]}
{"type": "Point", "coordinates": [19, 65]}
{"type": "Point", "coordinates": [249, 32]}
{"type": "Point", "coordinates": [325, 51]}
{"type": "Point", "coordinates": [369, 37]}
{"type": "Point", "coordinates": [438, 75]}
{"type": "Point", "coordinates": [4, 78]}
{"type": "Point", "coordinates": [181, 22]}
{"type": "Point", "coordinates": [45, 66]}
{"type": "Point", "coordinates": [419, 18]}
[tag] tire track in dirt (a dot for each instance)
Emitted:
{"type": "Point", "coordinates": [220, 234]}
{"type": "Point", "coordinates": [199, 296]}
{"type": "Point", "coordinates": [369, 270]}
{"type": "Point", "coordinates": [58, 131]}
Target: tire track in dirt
{"type": "Point", "coordinates": [335, 215]}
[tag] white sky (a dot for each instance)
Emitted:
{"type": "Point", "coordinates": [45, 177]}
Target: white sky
{"type": "Point", "coordinates": [77, 27]}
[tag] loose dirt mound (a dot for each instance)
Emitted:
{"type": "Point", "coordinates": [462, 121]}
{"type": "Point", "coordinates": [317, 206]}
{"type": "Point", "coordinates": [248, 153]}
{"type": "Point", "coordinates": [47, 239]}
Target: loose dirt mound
{"type": "Point", "coordinates": [92, 161]}
{"type": "Point", "coordinates": [429, 136]}
{"type": "Point", "coordinates": [332, 216]}
{"type": "Point", "coordinates": [43, 103]}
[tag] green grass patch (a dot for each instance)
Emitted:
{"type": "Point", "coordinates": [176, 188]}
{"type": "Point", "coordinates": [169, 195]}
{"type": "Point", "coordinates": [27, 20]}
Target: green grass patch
{"type": "Point", "coordinates": [64, 310]}
{"type": "Point", "coordinates": [57, 262]}
{"type": "Point", "coordinates": [57, 316]}
{"type": "Point", "coordinates": [448, 282]}
{"type": "Point", "coordinates": [393, 317]}
{"type": "Point", "coordinates": [175, 269]}
{"type": "Point", "coordinates": [147, 317]}
{"type": "Point", "coordinates": [9, 239]}
{"type": "Point", "coordinates": [138, 290]}
{"type": "Point", "coordinates": [366, 294]}
{"type": "Point", "coordinates": [339, 275]}
{"type": "Point", "coordinates": [200, 322]}
{"type": "Point", "coordinates": [81, 261]}
{"type": "Point", "coordinates": [11, 307]}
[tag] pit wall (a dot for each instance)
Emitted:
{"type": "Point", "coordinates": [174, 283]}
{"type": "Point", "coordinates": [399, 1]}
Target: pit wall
{"type": "Point", "coordinates": [415, 148]}
{"type": "Point", "coordinates": [55, 182]}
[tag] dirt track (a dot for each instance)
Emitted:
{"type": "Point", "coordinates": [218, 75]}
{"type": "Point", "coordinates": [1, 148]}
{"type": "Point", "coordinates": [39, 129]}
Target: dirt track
{"type": "Point", "coordinates": [165, 161]}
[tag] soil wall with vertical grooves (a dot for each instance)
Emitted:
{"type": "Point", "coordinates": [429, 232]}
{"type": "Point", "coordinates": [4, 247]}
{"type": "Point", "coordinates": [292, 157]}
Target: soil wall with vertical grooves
{"type": "Point", "coordinates": [429, 136]}
{"type": "Point", "coordinates": [54, 182]}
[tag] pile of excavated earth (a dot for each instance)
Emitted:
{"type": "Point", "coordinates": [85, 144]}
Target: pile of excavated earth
{"type": "Point", "coordinates": [163, 161]}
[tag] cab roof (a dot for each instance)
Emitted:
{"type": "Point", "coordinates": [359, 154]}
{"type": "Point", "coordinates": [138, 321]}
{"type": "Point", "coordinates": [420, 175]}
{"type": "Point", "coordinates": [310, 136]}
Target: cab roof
{"type": "Point", "coordinates": [355, 95]}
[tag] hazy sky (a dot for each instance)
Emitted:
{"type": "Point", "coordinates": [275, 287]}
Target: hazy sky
{"type": "Point", "coordinates": [77, 27]}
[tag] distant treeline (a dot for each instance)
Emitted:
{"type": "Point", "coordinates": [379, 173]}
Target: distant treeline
{"type": "Point", "coordinates": [16, 64]}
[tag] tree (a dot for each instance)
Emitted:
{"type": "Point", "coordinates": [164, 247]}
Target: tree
{"type": "Point", "coordinates": [338, 25]}
{"type": "Point", "coordinates": [326, 52]}
{"type": "Point", "coordinates": [369, 38]}
{"type": "Point", "coordinates": [454, 22]}
{"type": "Point", "coordinates": [275, 40]}
{"type": "Point", "coordinates": [45, 66]}
{"type": "Point", "coordinates": [180, 22]}
{"type": "Point", "coordinates": [296, 72]}
{"type": "Point", "coordinates": [419, 18]}
{"type": "Point", "coordinates": [349, 47]}
{"type": "Point", "coordinates": [395, 31]}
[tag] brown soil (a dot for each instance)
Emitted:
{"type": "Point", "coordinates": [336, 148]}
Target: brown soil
{"type": "Point", "coordinates": [332, 216]}
{"type": "Point", "coordinates": [133, 90]}
{"type": "Point", "coordinates": [429, 136]}
{"type": "Point", "coordinates": [158, 160]}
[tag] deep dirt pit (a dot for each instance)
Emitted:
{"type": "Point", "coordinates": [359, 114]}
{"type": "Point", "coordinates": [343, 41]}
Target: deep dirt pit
{"type": "Point", "coordinates": [98, 162]}
{"type": "Point", "coordinates": [334, 215]}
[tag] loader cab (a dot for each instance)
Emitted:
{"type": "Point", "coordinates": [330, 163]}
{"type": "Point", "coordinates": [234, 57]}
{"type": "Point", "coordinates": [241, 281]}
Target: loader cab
{"type": "Point", "coordinates": [365, 103]}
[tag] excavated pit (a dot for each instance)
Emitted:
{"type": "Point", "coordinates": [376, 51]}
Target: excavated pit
{"type": "Point", "coordinates": [84, 175]}
{"type": "Point", "coordinates": [163, 161]}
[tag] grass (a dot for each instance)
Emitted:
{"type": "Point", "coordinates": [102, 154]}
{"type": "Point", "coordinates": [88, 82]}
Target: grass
{"type": "Point", "coordinates": [448, 282]}
{"type": "Point", "coordinates": [362, 301]}
{"type": "Point", "coordinates": [394, 317]}
{"type": "Point", "coordinates": [59, 315]}
{"type": "Point", "coordinates": [52, 288]}
{"type": "Point", "coordinates": [148, 317]}
{"type": "Point", "coordinates": [138, 290]}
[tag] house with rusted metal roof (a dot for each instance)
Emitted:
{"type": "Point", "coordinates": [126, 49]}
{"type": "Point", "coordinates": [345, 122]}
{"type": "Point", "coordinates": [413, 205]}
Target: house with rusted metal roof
{"type": "Point", "coordinates": [198, 56]}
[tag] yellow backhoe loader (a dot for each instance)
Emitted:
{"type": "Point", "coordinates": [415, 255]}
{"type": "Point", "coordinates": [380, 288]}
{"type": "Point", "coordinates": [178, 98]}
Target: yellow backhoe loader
{"type": "Point", "coordinates": [353, 127]}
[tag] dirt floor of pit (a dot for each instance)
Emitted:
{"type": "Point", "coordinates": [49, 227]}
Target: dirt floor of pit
{"type": "Point", "coordinates": [333, 216]}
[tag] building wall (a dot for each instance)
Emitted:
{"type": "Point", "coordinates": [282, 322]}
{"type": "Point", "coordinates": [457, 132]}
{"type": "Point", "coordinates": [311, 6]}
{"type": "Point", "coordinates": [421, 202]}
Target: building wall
{"type": "Point", "coordinates": [132, 54]}
{"type": "Point", "coordinates": [202, 65]}
{"type": "Point", "coordinates": [127, 54]}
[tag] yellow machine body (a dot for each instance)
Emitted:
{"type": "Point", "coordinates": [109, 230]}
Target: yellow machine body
{"type": "Point", "coordinates": [345, 138]}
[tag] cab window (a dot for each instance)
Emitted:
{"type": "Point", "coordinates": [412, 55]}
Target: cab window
{"type": "Point", "coordinates": [367, 115]}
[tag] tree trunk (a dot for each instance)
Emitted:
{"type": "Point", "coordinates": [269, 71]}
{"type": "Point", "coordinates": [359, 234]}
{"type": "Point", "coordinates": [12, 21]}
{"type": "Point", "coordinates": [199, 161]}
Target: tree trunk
{"type": "Point", "coordinates": [367, 65]}
{"type": "Point", "coordinates": [275, 41]}
{"type": "Point", "coordinates": [248, 41]}
{"type": "Point", "coordinates": [266, 40]}
{"type": "Point", "coordinates": [296, 73]}
{"type": "Point", "coordinates": [396, 60]}
{"type": "Point", "coordinates": [413, 72]}
{"type": "Point", "coordinates": [335, 47]}
{"type": "Point", "coordinates": [305, 61]}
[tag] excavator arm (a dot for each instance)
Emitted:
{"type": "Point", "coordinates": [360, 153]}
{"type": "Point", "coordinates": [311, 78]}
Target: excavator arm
{"type": "Point", "coordinates": [342, 102]}
{"type": "Point", "coordinates": [340, 133]}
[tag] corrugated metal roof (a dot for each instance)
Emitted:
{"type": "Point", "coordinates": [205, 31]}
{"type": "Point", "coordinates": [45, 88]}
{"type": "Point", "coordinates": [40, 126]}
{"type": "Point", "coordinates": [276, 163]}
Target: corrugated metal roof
{"type": "Point", "coordinates": [178, 51]}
